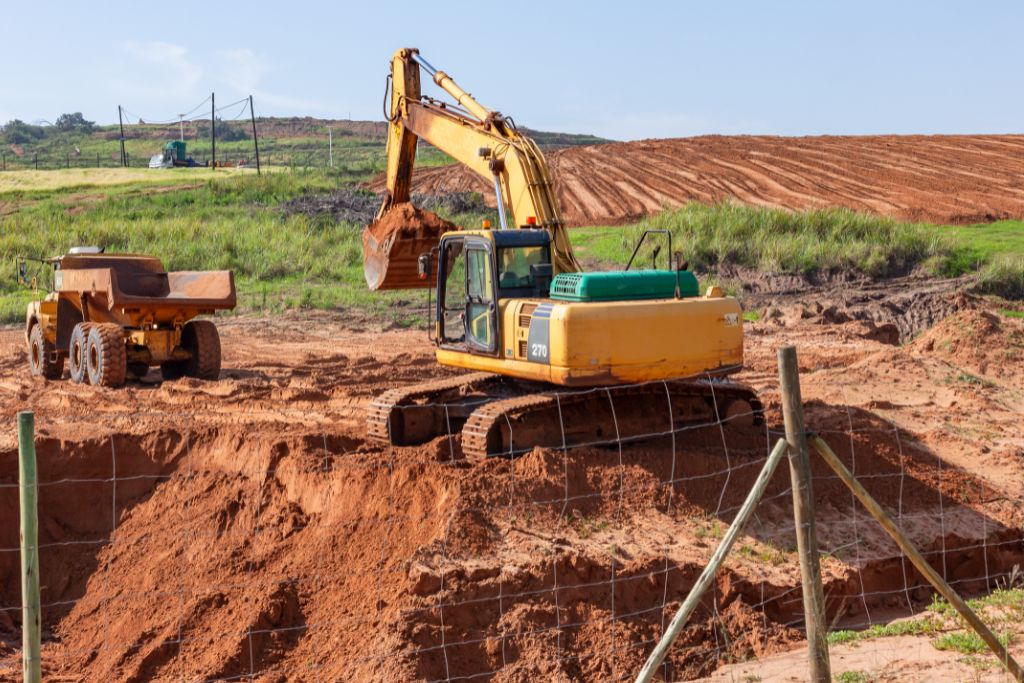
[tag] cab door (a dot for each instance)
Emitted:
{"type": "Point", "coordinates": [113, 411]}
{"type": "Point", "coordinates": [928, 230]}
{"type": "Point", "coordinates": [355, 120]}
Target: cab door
{"type": "Point", "coordinates": [481, 302]}
{"type": "Point", "coordinates": [467, 296]}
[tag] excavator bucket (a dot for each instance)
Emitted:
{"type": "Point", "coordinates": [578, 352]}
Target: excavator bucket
{"type": "Point", "coordinates": [392, 245]}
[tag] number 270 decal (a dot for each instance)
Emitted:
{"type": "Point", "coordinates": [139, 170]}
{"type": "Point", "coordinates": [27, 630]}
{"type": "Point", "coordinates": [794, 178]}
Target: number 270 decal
{"type": "Point", "coordinates": [539, 350]}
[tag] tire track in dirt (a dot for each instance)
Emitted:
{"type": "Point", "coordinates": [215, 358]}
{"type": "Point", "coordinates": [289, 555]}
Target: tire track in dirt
{"type": "Point", "coordinates": [958, 179]}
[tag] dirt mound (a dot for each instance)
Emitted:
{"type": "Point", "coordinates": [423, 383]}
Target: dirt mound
{"type": "Point", "coordinates": [958, 179]}
{"type": "Point", "coordinates": [893, 311]}
{"type": "Point", "coordinates": [984, 342]}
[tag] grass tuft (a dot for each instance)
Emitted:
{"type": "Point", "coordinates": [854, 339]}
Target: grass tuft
{"type": "Point", "coordinates": [779, 241]}
{"type": "Point", "coordinates": [1003, 276]}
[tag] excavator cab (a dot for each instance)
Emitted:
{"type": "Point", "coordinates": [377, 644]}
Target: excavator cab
{"type": "Point", "coordinates": [478, 270]}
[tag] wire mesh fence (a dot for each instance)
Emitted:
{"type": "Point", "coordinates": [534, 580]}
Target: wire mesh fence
{"type": "Point", "coordinates": [176, 545]}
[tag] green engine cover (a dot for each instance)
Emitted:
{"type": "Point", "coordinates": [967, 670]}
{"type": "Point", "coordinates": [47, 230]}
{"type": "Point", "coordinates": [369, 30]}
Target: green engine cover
{"type": "Point", "coordinates": [629, 285]}
{"type": "Point", "coordinates": [176, 148]}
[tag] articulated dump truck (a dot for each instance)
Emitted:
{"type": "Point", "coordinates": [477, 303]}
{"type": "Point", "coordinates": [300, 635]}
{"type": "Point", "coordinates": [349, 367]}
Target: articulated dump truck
{"type": "Point", "coordinates": [114, 315]}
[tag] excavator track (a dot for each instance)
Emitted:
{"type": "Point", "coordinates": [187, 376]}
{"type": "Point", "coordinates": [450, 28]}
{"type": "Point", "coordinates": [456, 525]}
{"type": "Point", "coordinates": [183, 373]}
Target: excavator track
{"type": "Point", "coordinates": [410, 415]}
{"type": "Point", "coordinates": [604, 416]}
{"type": "Point", "coordinates": [503, 417]}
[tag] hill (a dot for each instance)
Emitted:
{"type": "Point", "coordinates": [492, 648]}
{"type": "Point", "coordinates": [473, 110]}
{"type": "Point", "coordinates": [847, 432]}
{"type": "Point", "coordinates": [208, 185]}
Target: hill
{"type": "Point", "coordinates": [296, 141]}
{"type": "Point", "coordinates": [957, 179]}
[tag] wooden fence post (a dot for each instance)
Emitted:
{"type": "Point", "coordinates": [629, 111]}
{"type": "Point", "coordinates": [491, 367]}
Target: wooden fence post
{"type": "Point", "coordinates": [31, 619]}
{"type": "Point", "coordinates": [917, 559]}
{"type": "Point", "coordinates": [704, 580]}
{"type": "Point", "coordinates": [803, 513]}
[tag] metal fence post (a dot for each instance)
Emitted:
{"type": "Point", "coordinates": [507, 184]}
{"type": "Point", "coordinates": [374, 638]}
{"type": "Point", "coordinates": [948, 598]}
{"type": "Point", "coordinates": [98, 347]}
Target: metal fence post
{"type": "Point", "coordinates": [31, 620]}
{"type": "Point", "coordinates": [803, 513]}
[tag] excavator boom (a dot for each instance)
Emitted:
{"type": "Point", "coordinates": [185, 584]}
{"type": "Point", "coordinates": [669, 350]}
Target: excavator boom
{"type": "Point", "coordinates": [475, 136]}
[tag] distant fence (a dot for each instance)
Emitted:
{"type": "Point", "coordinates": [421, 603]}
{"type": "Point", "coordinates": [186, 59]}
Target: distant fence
{"type": "Point", "coordinates": [39, 162]}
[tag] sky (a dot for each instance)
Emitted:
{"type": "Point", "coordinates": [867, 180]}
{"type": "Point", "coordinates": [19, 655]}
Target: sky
{"type": "Point", "coordinates": [623, 70]}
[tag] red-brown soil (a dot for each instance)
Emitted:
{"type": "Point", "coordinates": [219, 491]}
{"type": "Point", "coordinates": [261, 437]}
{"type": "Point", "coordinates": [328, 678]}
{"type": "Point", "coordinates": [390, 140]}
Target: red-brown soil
{"type": "Point", "coordinates": [393, 244]}
{"type": "Point", "coordinates": [958, 179]}
{"type": "Point", "coordinates": [245, 529]}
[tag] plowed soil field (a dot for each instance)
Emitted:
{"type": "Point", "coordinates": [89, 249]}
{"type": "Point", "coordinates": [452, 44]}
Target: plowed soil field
{"type": "Point", "coordinates": [247, 529]}
{"type": "Point", "coordinates": [955, 179]}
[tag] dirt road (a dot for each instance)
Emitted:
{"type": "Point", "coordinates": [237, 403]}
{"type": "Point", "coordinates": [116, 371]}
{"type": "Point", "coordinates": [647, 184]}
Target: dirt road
{"type": "Point", "coordinates": [246, 529]}
{"type": "Point", "coordinates": [958, 179]}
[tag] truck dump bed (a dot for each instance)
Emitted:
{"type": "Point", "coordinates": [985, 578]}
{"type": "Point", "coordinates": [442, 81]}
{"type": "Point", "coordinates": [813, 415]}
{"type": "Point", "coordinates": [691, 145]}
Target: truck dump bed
{"type": "Point", "coordinates": [128, 289]}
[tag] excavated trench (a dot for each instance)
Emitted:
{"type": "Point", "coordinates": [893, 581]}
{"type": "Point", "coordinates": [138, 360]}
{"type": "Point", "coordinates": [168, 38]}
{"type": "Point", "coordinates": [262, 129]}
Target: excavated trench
{"type": "Point", "coordinates": [219, 551]}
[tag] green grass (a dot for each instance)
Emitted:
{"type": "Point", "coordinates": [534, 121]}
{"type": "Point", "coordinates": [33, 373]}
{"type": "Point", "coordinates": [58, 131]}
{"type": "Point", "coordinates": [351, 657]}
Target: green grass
{"type": "Point", "coordinates": [774, 240]}
{"type": "Point", "coordinates": [1001, 609]}
{"type": "Point", "coordinates": [913, 627]}
{"type": "Point", "coordinates": [778, 241]}
{"type": "Point", "coordinates": [966, 642]}
{"type": "Point", "coordinates": [228, 223]}
{"type": "Point", "coordinates": [210, 220]}
{"type": "Point", "coordinates": [852, 677]}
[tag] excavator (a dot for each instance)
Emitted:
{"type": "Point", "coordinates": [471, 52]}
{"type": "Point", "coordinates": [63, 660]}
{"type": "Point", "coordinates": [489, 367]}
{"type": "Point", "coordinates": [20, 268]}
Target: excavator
{"type": "Point", "coordinates": [559, 357]}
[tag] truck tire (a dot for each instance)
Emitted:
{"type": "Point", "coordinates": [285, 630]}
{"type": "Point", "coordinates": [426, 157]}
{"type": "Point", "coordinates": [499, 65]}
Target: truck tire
{"type": "Point", "coordinates": [41, 361]}
{"type": "Point", "coordinates": [200, 338]}
{"type": "Point", "coordinates": [106, 360]}
{"type": "Point", "coordinates": [77, 352]}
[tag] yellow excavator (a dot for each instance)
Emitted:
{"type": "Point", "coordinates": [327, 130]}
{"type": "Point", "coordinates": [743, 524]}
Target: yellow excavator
{"type": "Point", "coordinates": [642, 352]}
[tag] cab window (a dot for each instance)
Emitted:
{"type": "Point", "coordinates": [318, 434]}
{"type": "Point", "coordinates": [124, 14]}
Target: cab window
{"type": "Point", "coordinates": [514, 265]}
{"type": "Point", "coordinates": [480, 306]}
{"type": "Point", "coordinates": [453, 305]}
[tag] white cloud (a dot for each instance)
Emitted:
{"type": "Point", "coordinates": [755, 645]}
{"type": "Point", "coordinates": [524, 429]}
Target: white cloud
{"type": "Point", "coordinates": [244, 71]}
{"type": "Point", "coordinates": [165, 64]}
{"type": "Point", "coordinates": [162, 76]}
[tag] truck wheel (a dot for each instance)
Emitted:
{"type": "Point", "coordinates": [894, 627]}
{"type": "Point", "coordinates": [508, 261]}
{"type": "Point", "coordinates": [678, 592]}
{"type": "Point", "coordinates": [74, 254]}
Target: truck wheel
{"type": "Point", "coordinates": [41, 362]}
{"type": "Point", "coordinates": [105, 356]}
{"type": "Point", "coordinates": [201, 340]}
{"type": "Point", "coordinates": [77, 352]}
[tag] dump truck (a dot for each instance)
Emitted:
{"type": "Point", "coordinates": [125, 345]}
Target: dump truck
{"type": "Point", "coordinates": [114, 315]}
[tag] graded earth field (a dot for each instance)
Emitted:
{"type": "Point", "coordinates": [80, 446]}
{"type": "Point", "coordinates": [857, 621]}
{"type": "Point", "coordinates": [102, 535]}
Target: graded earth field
{"type": "Point", "coordinates": [957, 179]}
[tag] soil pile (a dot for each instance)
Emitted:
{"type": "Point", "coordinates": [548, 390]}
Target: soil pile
{"type": "Point", "coordinates": [977, 340]}
{"type": "Point", "coordinates": [958, 179]}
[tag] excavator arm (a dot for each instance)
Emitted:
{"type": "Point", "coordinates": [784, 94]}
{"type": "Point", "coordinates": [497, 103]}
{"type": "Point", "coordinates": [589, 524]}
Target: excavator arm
{"type": "Point", "coordinates": [481, 139]}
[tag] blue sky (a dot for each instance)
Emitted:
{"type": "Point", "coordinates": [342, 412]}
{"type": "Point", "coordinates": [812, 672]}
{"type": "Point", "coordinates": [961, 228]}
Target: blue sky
{"type": "Point", "coordinates": [626, 70]}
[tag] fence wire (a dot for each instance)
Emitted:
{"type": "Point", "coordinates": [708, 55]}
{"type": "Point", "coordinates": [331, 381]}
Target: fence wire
{"type": "Point", "coordinates": [233, 554]}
